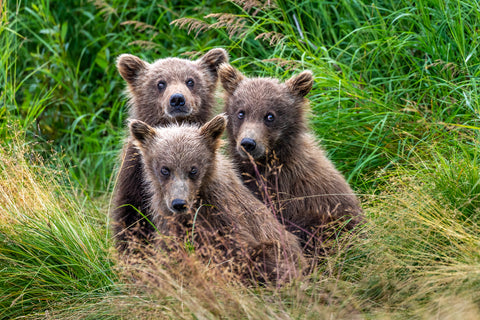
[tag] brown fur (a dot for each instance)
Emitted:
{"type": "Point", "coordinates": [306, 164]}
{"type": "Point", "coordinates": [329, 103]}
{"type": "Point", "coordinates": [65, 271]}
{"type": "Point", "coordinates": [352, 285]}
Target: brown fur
{"type": "Point", "coordinates": [308, 190]}
{"type": "Point", "coordinates": [182, 163]}
{"type": "Point", "coordinates": [152, 105]}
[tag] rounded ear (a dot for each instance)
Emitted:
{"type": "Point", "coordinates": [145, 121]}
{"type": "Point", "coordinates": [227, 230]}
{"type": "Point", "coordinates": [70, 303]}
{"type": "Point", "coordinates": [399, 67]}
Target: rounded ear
{"type": "Point", "coordinates": [212, 60]}
{"type": "Point", "coordinates": [141, 132]}
{"type": "Point", "coordinates": [230, 77]}
{"type": "Point", "coordinates": [130, 67]}
{"type": "Point", "coordinates": [300, 84]}
{"type": "Point", "coordinates": [213, 129]}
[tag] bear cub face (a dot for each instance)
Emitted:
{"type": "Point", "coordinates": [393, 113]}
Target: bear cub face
{"type": "Point", "coordinates": [170, 89]}
{"type": "Point", "coordinates": [263, 112]}
{"type": "Point", "coordinates": [177, 160]}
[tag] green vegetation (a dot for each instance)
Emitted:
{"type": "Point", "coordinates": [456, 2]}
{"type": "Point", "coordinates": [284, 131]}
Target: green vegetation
{"type": "Point", "coordinates": [395, 103]}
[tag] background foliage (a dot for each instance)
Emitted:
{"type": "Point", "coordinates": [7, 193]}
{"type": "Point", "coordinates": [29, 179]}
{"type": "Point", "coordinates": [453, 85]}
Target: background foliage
{"type": "Point", "coordinates": [395, 103]}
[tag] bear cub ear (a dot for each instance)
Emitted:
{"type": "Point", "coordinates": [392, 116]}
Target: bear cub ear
{"type": "Point", "coordinates": [301, 84]}
{"type": "Point", "coordinates": [130, 67]}
{"type": "Point", "coordinates": [230, 77]}
{"type": "Point", "coordinates": [141, 132]}
{"type": "Point", "coordinates": [212, 60]}
{"type": "Point", "coordinates": [213, 130]}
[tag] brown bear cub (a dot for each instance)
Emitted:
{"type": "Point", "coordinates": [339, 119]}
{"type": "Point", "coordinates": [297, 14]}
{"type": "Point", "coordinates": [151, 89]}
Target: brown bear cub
{"type": "Point", "coordinates": [192, 184]}
{"type": "Point", "coordinates": [279, 160]}
{"type": "Point", "coordinates": [170, 90]}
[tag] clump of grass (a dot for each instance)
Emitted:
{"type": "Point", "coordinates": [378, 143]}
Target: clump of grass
{"type": "Point", "coordinates": [419, 250]}
{"type": "Point", "coordinates": [53, 246]}
{"type": "Point", "coordinates": [457, 180]}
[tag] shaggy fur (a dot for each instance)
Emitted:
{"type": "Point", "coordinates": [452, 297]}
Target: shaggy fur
{"type": "Point", "coordinates": [267, 125]}
{"type": "Point", "coordinates": [196, 82]}
{"type": "Point", "coordinates": [188, 178]}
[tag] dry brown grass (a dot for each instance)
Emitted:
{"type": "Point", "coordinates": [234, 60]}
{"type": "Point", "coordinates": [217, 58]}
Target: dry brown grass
{"type": "Point", "coordinates": [235, 25]}
{"type": "Point", "coordinates": [25, 188]}
{"type": "Point", "coordinates": [184, 288]}
{"type": "Point", "coordinates": [191, 25]}
{"type": "Point", "coordinates": [414, 258]}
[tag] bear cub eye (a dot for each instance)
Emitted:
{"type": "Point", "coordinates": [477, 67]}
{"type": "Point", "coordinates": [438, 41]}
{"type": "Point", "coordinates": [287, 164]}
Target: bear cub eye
{"type": "Point", "coordinates": [193, 172]}
{"type": "Point", "coordinates": [165, 171]}
{"type": "Point", "coordinates": [269, 117]}
{"type": "Point", "coordinates": [161, 85]}
{"type": "Point", "coordinates": [190, 83]}
{"type": "Point", "coordinates": [241, 114]}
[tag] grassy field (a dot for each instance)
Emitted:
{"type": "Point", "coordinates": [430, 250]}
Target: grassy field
{"type": "Point", "coordinates": [395, 103]}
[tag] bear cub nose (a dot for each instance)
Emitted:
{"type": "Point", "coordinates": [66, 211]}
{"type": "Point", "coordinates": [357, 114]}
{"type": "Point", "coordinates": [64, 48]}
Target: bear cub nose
{"type": "Point", "coordinates": [248, 144]}
{"type": "Point", "coordinates": [177, 100]}
{"type": "Point", "coordinates": [179, 205]}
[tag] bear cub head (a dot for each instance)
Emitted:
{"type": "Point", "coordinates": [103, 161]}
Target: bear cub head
{"type": "Point", "coordinates": [178, 160]}
{"type": "Point", "coordinates": [263, 113]}
{"type": "Point", "coordinates": [171, 89]}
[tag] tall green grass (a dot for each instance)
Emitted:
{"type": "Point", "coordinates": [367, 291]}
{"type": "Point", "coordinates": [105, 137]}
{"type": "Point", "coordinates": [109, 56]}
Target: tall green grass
{"type": "Point", "coordinates": [379, 66]}
{"type": "Point", "coordinates": [395, 104]}
{"type": "Point", "coordinates": [67, 56]}
{"type": "Point", "coordinates": [54, 244]}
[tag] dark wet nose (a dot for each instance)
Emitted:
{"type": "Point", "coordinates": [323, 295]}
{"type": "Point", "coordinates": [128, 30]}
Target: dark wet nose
{"type": "Point", "coordinates": [179, 205]}
{"type": "Point", "coordinates": [248, 144]}
{"type": "Point", "coordinates": [177, 100]}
